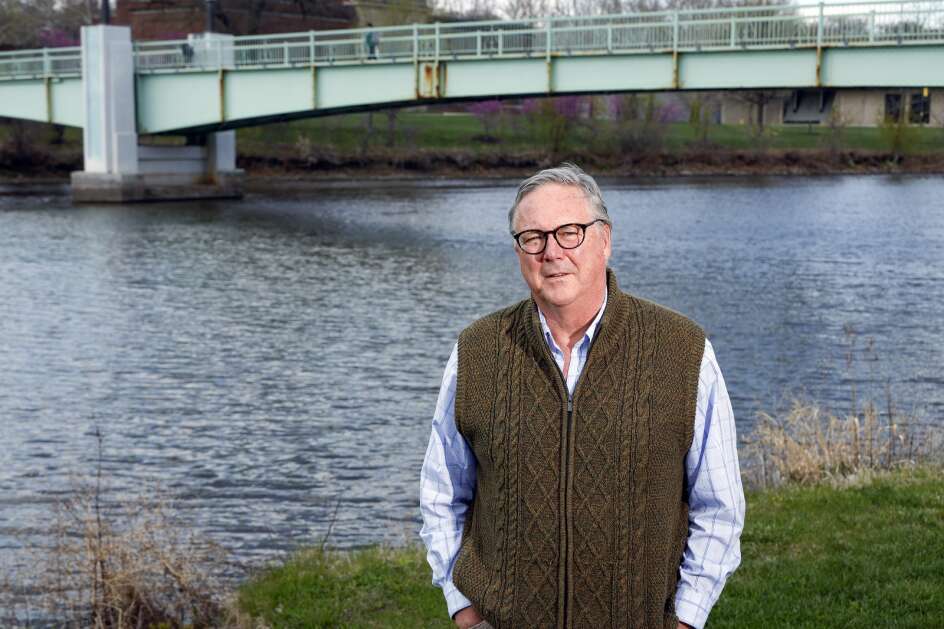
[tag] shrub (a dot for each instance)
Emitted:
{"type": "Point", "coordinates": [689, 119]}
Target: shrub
{"type": "Point", "coordinates": [121, 566]}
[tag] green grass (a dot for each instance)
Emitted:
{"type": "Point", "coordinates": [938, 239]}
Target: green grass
{"type": "Point", "coordinates": [375, 587]}
{"type": "Point", "coordinates": [414, 129]}
{"type": "Point", "coordinates": [345, 133]}
{"type": "Point", "coordinates": [863, 557]}
{"type": "Point", "coordinates": [513, 133]}
{"type": "Point", "coordinates": [867, 556]}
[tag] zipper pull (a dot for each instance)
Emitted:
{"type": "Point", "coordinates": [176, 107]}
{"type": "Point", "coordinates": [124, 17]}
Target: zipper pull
{"type": "Point", "coordinates": [570, 404]}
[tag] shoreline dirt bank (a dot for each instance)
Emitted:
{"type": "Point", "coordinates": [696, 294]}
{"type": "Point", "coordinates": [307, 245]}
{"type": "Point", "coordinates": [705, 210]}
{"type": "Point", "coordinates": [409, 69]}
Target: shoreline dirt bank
{"type": "Point", "coordinates": [468, 165]}
{"type": "Point", "coordinates": [474, 165]}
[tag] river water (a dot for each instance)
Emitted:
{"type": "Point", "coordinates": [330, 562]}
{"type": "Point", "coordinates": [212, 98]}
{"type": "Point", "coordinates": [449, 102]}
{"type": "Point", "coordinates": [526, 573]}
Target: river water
{"type": "Point", "coordinates": [271, 360]}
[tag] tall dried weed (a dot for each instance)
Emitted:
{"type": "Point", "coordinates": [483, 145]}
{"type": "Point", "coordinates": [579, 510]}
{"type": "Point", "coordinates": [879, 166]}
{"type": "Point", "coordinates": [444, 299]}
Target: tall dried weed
{"type": "Point", "coordinates": [117, 566]}
{"type": "Point", "coordinates": [809, 443]}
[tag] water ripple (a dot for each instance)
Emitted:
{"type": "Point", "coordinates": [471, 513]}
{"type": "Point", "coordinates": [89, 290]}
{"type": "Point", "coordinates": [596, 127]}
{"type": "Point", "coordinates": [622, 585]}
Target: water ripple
{"type": "Point", "coordinates": [266, 359]}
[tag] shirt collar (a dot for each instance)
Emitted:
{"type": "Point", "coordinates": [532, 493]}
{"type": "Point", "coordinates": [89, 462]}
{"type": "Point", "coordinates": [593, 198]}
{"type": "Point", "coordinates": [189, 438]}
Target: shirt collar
{"type": "Point", "coordinates": [588, 335]}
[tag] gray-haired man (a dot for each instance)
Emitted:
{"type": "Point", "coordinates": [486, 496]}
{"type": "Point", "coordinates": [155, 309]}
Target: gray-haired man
{"type": "Point", "coordinates": [582, 468]}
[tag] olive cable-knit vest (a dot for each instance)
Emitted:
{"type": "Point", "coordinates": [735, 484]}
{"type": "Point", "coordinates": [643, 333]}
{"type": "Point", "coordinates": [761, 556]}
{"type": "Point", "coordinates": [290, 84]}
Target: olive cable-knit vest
{"type": "Point", "coordinates": [580, 517]}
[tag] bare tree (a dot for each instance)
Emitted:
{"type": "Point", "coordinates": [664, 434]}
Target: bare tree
{"type": "Point", "coordinates": [463, 10]}
{"type": "Point", "coordinates": [35, 23]}
{"type": "Point", "coordinates": [392, 126]}
{"type": "Point", "coordinates": [757, 101]}
{"type": "Point", "coordinates": [523, 9]}
{"type": "Point", "coordinates": [702, 109]}
{"type": "Point", "coordinates": [21, 22]}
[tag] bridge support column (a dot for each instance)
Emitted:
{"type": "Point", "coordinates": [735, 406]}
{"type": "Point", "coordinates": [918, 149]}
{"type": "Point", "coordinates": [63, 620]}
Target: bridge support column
{"type": "Point", "coordinates": [118, 169]}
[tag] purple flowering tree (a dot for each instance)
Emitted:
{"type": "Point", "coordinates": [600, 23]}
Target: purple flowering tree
{"type": "Point", "coordinates": [553, 119]}
{"type": "Point", "coordinates": [488, 112]}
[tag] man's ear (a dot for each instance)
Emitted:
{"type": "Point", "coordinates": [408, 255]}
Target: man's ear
{"type": "Point", "coordinates": [607, 241]}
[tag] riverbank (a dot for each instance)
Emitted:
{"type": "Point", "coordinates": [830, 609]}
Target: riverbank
{"type": "Point", "coordinates": [457, 164]}
{"type": "Point", "coordinates": [867, 551]}
{"type": "Point", "coordinates": [414, 144]}
{"type": "Point", "coordinates": [450, 164]}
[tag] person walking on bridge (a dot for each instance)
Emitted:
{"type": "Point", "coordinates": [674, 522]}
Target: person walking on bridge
{"type": "Point", "coordinates": [371, 41]}
{"type": "Point", "coordinates": [582, 468]}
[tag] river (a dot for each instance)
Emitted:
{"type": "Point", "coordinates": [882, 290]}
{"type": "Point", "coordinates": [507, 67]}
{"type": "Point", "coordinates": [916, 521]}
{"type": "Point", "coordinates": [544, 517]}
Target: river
{"type": "Point", "coordinates": [272, 359]}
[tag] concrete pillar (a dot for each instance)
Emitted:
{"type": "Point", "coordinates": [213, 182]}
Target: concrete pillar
{"type": "Point", "coordinates": [221, 152]}
{"type": "Point", "coordinates": [937, 108]}
{"type": "Point", "coordinates": [110, 140]}
{"type": "Point", "coordinates": [116, 168]}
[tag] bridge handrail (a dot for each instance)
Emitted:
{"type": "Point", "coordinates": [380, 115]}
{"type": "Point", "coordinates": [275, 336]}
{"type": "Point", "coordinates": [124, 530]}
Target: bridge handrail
{"type": "Point", "coordinates": [873, 22]}
{"type": "Point", "coordinates": [45, 62]}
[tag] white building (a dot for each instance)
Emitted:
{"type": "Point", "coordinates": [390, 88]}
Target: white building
{"type": "Point", "coordinates": [854, 108]}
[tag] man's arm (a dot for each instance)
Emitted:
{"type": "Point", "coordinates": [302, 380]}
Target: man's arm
{"type": "Point", "coordinates": [716, 499]}
{"type": "Point", "coordinates": [447, 487]}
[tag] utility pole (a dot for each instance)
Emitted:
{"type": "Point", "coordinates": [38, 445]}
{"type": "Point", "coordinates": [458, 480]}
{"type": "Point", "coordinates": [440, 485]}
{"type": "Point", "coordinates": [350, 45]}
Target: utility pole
{"type": "Point", "coordinates": [106, 11]}
{"type": "Point", "coordinates": [210, 14]}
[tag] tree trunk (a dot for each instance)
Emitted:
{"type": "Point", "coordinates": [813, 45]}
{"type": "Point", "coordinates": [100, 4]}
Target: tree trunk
{"type": "Point", "coordinates": [368, 132]}
{"type": "Point", "coordinates": [391, 127]}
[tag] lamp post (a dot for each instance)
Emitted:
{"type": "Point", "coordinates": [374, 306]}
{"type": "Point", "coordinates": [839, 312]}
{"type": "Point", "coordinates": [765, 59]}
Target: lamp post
{"type": "Point", "coordinates": [210, 14]}
{"type": "Point", "coordinates": [106, 11]}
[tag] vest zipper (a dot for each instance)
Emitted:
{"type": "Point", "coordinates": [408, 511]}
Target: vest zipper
{"type": "Point", "coordinates": [566, 507]}
{"type": "Point", "coordinates": [565, 479]}
{"type": "Point", "coordinates": [565, 472]}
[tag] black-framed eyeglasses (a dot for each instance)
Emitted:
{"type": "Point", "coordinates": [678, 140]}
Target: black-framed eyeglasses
{"type": "Point", "coordinates": [569, 236]}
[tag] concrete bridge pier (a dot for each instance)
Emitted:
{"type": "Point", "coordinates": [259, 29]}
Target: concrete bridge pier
{"type": "Point", "coordinates": [117, 168]}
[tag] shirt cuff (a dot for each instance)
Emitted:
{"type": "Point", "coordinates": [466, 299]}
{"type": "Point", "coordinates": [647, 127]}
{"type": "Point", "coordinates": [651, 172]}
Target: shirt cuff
{"type": "Point", "coordinates": [455, 600]}
{"type": "Point", "coordinates": [692, 606]}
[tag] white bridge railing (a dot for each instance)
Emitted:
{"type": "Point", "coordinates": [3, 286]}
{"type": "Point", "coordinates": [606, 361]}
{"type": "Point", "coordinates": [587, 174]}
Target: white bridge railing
{"type": "Point", "coordinates": [45, 62]}
{"type": "Point", "coordinates": [875, 23]}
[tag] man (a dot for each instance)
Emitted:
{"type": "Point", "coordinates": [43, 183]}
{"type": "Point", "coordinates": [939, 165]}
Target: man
{"type": "Point", "coordinates": [582, 468]}
{"type": "Point", "coordinates": [371, 40]}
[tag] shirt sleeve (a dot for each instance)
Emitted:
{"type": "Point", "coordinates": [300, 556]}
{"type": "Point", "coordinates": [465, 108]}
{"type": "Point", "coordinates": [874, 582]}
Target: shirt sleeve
{"type": "Point", "coordinates": [447, 487]}
{"type": "Point", "coordinates": [716, 499]}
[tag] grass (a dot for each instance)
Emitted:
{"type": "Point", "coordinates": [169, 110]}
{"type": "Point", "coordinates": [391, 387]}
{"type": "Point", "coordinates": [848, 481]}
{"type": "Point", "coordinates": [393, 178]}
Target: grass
{"type": "Point", "coordinates": [864, 556]}
{"type": "Point", "coordinates": [415, 129]}
{"type": "Point", "coordinates": [419, 135]}
{"type": "Point", "coordinates": [869, 553]}
{"type": "Point", "coordinates": [374, 587]}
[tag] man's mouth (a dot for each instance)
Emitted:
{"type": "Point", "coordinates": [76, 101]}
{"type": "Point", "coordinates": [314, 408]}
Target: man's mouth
{"type": "Point", "coordinates": [555, 275]}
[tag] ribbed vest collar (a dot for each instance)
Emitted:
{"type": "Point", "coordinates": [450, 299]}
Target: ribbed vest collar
{"type": "Point", "coordinates": [612, 326]}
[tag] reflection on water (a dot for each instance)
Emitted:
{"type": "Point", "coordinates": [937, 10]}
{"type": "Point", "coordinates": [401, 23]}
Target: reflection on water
{"type": "Point", "coordinates": [263, 358]}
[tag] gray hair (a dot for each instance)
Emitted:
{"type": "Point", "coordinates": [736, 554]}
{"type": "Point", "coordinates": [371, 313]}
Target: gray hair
{"type": "Point", "coordinates": [567, 174]}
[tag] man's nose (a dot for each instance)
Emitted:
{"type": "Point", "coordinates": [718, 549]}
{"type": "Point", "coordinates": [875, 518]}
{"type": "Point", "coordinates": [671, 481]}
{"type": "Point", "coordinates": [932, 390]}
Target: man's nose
{"type": "Point", "coordinates": [552, 250]}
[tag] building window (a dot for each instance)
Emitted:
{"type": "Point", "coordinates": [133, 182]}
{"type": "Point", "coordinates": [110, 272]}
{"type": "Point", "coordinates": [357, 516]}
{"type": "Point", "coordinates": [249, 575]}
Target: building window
{"type": "Point", "coordinates": [920, 112]}
{"type": "Point", "coordinates": [892, 107]}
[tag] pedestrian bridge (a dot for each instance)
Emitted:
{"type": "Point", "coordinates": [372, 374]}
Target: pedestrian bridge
{"type": "Point", "coordinates": [208, 84]}
{"type": "Point", "coordinates": [212, 83]}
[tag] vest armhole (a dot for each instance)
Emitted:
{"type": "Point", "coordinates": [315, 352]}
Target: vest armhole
{"type": "Point", "coordinates": [477, 347]}
{"type": "Point", "coordinates": [697, 354]}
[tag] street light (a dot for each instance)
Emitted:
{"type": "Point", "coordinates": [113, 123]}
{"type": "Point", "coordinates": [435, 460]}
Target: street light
{"type": "Point", "coordinates": [210, 13]}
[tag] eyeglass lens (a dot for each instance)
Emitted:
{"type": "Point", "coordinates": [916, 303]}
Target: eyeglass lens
{"type": "Point", "coordinates": [567, 236]}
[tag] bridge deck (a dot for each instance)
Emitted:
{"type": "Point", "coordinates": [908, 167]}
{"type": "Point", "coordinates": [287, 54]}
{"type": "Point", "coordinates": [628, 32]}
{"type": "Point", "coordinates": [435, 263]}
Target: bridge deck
{"type": "Point", "coordinates": [215, 82]}
{"type": "Point", "coordinates": [858, 24]}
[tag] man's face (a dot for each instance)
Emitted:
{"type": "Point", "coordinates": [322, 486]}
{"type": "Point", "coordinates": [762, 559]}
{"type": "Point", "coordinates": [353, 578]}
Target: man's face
{"type": "Point", "coordinates": [561, 277]}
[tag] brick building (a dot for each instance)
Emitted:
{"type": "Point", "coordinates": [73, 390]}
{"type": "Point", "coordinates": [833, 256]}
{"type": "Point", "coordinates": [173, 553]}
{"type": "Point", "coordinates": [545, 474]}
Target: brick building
{"type": "Point", "coordinates": [172, 19]}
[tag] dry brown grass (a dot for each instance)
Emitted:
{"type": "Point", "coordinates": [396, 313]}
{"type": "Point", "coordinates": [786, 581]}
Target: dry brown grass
{"type": "Point", "coordinates": [808, 444]}
{"type": "Point", "coordinates": [115, 566]}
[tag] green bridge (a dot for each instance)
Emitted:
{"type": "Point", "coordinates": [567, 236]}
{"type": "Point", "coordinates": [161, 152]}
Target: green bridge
{"type": "Point", "coordinates": [208, 84]}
